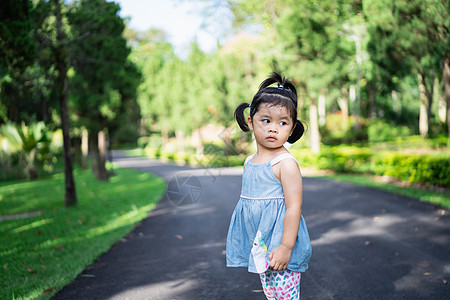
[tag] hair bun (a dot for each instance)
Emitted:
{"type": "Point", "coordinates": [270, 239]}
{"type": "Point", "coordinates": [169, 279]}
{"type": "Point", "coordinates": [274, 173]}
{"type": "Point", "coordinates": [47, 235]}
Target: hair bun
{"type": "Point", "coordinates": [297, 133]}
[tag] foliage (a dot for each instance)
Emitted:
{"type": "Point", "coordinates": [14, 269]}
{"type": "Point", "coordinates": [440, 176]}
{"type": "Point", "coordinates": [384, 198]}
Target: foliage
{"type": "Point", "coordinates": [99, 60]}
{"type": "Point", "coordinates": [17, 49]}
{"type": "Point", "coordinates": [415, 168]}
{"type": "Point", "coordinates": [430, 169]}
{"type": "Point", "coordinates": [345, 159]}
{"type": "Point", "coordinates": [340, 130]}
{"type": "Point", "coordinates": [381, 131]}
{"type": "Point", "coordinates": [47, 251]}
{"type": "Point", "coordinates": [434, 197]}
{"type": "Point", "coordinates": [30, 142]}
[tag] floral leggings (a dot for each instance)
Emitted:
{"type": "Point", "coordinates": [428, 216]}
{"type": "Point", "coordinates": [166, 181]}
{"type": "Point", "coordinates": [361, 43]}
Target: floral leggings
{"type": "Point", "coordinates": [281, 285]}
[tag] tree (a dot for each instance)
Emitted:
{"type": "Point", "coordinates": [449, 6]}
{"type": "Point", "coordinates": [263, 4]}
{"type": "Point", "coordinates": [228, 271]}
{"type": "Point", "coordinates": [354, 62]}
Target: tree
{"type": "Point", "coordinates": [100, 64]}
{"type": "Point", "coordinates": [17, 52]}
{"type": "Point", "coordinates": [50, 32]}
{"type": "Point", "coordinates": [410, 37]}
{"type": "Point", "coordinates": [17, 49]}
{"type": "Point", "coordinates": [153, 54]}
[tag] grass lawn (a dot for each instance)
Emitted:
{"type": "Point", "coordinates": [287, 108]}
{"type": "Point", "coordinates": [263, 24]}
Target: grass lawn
{"type": "Point", "coordinates": [41, 254]}
{"type": "Point", "coordinates": [440, 198]}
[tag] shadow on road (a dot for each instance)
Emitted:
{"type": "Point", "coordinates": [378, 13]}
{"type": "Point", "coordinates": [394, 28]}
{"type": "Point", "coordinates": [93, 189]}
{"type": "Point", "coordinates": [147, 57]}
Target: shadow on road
{"type": "Point", "coordinates": [367, 244]}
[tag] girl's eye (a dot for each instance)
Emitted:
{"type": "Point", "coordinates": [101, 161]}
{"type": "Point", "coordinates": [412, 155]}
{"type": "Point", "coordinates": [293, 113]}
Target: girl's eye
{"type": "Point", "coordinates": [283, 123]}
{"type": "Point", "coordinates": [266, 121]}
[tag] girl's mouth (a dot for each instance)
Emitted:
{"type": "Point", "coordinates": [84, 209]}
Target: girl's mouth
{"type": "Point", "coordinates": [271, 138]}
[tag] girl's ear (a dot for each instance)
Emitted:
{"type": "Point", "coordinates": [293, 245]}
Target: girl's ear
{"type": "Point", "coordinates": [250, 124]}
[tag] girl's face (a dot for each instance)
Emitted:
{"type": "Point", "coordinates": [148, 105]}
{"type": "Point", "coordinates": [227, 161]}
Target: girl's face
{"type": "Point", "coordinates": [271, 126]}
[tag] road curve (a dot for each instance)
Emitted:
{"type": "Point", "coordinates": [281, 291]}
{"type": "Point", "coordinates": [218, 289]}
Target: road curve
{"type": "Point", "coordinates": [367, 244]}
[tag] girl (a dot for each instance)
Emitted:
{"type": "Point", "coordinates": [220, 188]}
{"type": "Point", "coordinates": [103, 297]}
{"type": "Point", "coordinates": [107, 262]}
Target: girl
{"type": "Point", "coordinates": [267, 232]}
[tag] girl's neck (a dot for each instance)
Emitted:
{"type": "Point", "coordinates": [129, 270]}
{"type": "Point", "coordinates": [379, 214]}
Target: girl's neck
{"type": "Point", "coordinates": [264, 154]}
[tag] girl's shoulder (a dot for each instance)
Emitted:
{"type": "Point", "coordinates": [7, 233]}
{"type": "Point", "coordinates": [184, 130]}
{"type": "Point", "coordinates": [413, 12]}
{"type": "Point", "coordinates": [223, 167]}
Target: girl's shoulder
{"type": "Point", "coordinates": [282, 157]}
{"type": "Point", "coordinates": [287, 164]}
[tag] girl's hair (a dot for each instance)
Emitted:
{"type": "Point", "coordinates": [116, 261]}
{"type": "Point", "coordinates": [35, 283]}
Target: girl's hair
{"type": "Point", "coordinates": [284, 95]}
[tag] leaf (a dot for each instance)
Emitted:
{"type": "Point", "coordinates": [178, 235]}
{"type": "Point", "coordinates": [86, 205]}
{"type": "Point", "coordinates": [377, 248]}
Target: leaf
{"type": "Point", "coordinates": [423, 265]}
{"type": "Point", "coordinates": [29, 270]}
{"type": "Point", "coordinates": [47, 290]}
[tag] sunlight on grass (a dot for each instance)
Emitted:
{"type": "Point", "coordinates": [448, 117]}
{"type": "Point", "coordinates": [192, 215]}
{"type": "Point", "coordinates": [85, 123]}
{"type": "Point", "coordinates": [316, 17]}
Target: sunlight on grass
{"type": "Point", "coordinates": [41, 254]}
{"type": "Point", "coordinates": [32, 225]}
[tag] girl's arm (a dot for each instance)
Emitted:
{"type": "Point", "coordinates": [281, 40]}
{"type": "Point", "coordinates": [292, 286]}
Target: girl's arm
{"type": "Point", "coordinates": [291, 180]}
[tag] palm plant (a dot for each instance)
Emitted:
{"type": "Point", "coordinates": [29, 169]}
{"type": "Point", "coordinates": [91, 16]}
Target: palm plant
{"type": "Point", "coordinates": [27, 141]}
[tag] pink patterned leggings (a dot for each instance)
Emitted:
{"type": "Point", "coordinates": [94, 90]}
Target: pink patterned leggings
{"type": "Point", "coordinates": [281, 285]}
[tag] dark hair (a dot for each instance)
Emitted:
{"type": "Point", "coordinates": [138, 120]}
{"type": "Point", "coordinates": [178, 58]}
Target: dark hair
{"type": "Point", "coordinates": [284, 95]}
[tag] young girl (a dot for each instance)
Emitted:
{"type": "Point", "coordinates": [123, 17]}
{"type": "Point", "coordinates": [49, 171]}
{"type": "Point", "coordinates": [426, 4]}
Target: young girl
{"type": "Point", "coordinates": [267, 232]}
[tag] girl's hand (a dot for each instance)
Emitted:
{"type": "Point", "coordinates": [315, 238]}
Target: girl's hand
{"type": "Point", "coordinates": [279, 257]}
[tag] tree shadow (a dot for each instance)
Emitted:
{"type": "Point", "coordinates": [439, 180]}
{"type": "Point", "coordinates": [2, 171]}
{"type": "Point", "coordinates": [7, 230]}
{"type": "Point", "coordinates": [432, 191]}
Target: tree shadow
{"type": "Point", "coordinates": [365, 246]}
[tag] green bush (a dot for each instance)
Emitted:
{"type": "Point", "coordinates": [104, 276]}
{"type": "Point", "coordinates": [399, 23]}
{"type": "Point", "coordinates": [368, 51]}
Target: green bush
{"type": "Point", "coordinates": [212, 149]}
{"type": "Point", "coordinates": [345, 159]}
{"type": "Point", "coordinates": [125, 134]}
{"type": "Point", "coordinates": [431, 169]}
{"type": "Point", "coordinates": [143, 141]}
{"type": "Point", "coordinates": [415, 168]}
{"type": "Point", "coordinates": [381, 131]}
{"type": "Point", "coordinates": [305, 157]}
{"type": "Point", "coordinates": [338, 130]}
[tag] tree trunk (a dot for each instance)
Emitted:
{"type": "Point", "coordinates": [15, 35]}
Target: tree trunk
{"type": "Point", "coordinates": [61, 84]}
{"type": "Point", "coordinates": [446, 79]}
{"type": "Point", "coordinates": [98, 155]}
{"type": "Point", "coordinates": [199, 149]}
{"type": "Point", "coordinates": [180, 141]}
{"type": "Point", "coordinates": [84, 147]}
{"type": "Point", "coordinates": [31, 167]}
{"type": "Point", "coordinates": [429, 92]}
{"type": "Point", "coordinates": [372, 100]}
{"type": "Point", "coordinates": [423, 116]}
{"type": "Point", "coordinates": [165, 138]}
{"type": "Point", "coordinates": [314, 123]}
{"type": "Point", "coordinates": [322, 108]}
{"type": "Point", "coordinates": [343, 104]}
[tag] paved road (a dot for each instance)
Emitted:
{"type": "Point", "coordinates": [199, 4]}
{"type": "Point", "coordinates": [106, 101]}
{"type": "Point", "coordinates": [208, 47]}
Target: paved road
{"type": "Point", "coordinates": [367, 244]}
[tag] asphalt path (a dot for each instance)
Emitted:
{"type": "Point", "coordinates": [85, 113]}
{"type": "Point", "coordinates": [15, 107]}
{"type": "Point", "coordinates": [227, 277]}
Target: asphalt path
{"type": "Point", "coordinates": [367, 244]}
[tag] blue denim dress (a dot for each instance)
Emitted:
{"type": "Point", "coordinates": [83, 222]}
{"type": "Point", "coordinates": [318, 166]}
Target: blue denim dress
{"type": "Point", "coordinates": [261, 210]}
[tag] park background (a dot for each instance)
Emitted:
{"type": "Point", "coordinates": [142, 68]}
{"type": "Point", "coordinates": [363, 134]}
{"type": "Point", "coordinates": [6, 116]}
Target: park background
{"type": "Point", "coordinates": [373, 79]}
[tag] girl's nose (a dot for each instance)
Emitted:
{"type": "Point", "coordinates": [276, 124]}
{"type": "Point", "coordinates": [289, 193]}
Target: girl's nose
{"type": "Point", "coordinates": [273, 130]}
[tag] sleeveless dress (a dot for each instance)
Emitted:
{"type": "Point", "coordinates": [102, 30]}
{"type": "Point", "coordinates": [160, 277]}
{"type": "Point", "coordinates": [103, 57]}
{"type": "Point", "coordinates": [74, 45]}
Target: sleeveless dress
{"type": "Point", "coordinates": [259, 218]}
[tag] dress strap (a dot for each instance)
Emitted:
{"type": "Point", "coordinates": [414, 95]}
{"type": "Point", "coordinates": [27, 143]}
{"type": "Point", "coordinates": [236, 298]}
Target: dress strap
{"type": "Point", "coordinates": [248, 158]}
{"type": "Point", "coordinates": [282, 157]}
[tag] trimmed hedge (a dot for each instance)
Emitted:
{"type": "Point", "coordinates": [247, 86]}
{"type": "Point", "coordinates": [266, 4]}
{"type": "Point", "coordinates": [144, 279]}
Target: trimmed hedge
{"type": "Point", "coordinates": [432, 169]}
{"type": "Point", "coordinates": [415, 168]}
{"type": "Point", "coordinates": [345, 159]}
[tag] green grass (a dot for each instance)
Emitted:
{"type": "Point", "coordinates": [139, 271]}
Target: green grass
{"type": "Point", "coordinates": [428, 196]}
{"type": "Point", "coordinates": [39, 255]}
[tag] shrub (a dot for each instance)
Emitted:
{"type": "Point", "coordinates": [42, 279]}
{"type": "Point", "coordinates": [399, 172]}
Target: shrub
{"type": "Point", "coordinates": [381, 131]}
{"type": "Point", "coordinates": [212, 149]}
{"type": "Point", "coordinates": [305, 157]}
{"type": "Point", "coordinates": [415, 168]}
{"type": "Point", "coordinates": [338, 130]}
{"type": "Point", "coordinates": [125, 134]}
{"type": "Point", "coordinates": [345, 159]}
